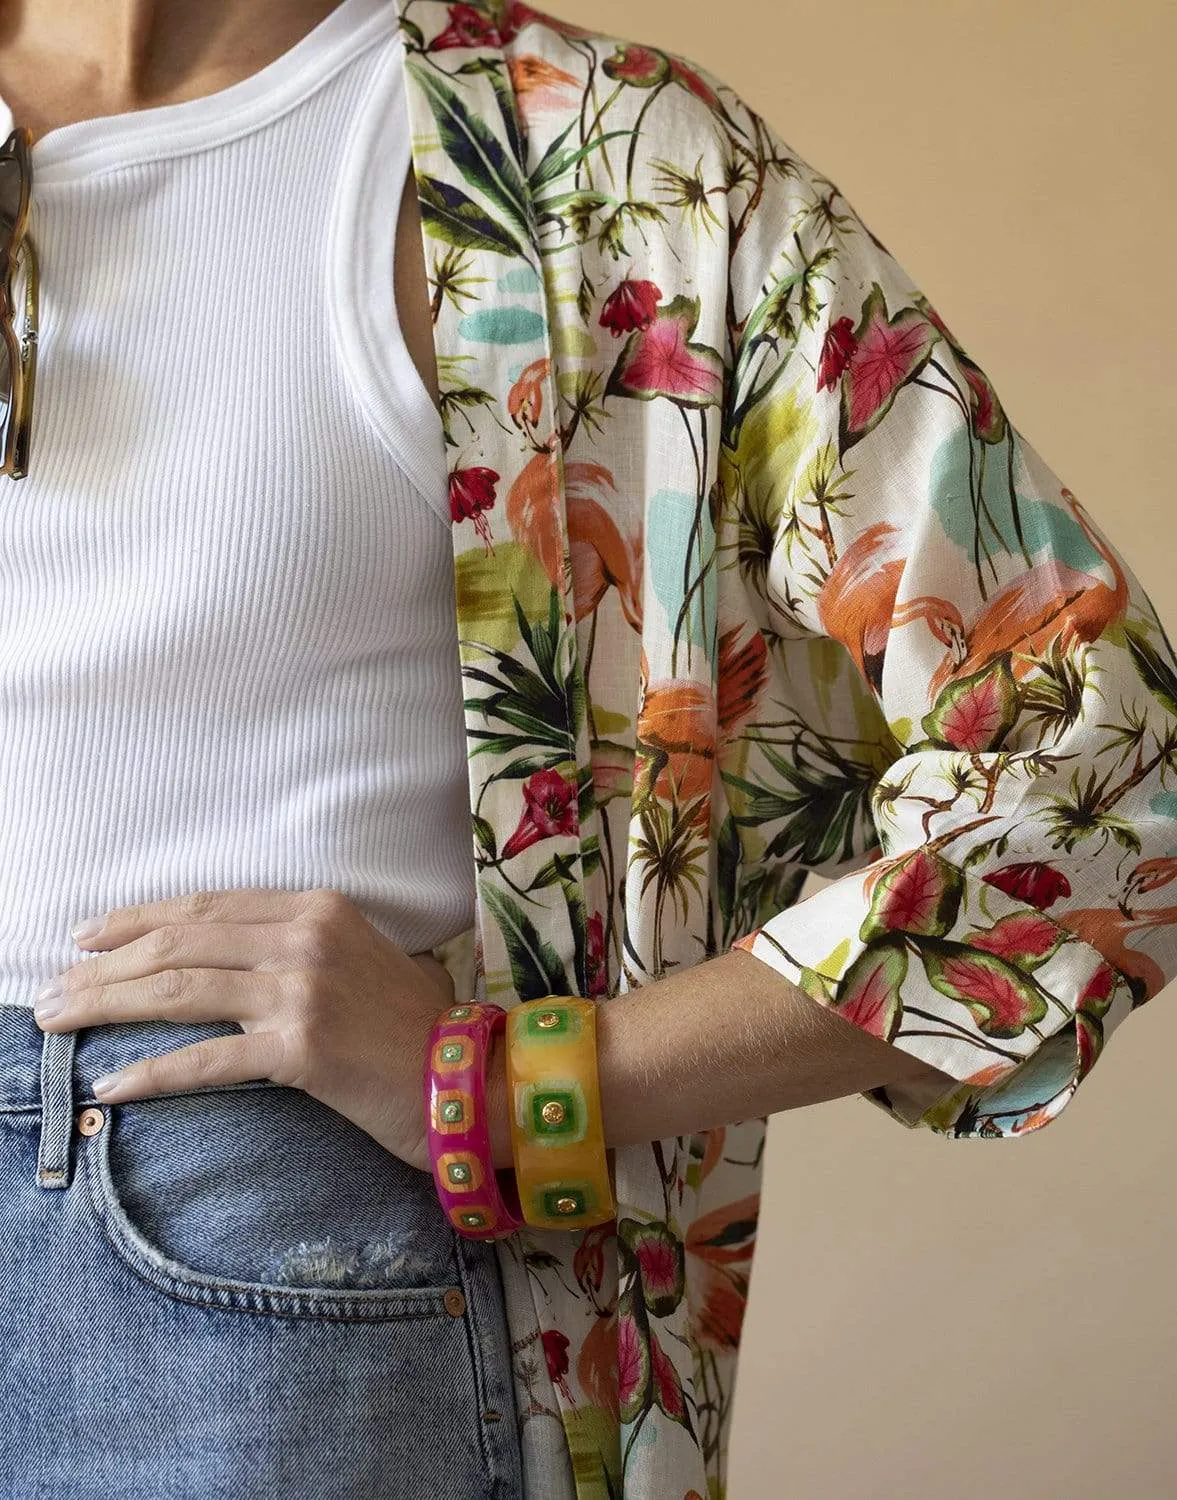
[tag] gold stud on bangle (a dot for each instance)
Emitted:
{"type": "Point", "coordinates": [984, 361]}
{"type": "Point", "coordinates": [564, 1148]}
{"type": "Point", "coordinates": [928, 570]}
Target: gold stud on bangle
{"type": "Point", "coordinates": [566, 1205]}
{"type": "Point", "coordinates": [553, 1112]}
{"type": "Point", "coordinates": [547, 1019]}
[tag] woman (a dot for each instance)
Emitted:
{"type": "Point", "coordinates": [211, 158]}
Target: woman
{"type": "Point", "coordinates": [652, 423]}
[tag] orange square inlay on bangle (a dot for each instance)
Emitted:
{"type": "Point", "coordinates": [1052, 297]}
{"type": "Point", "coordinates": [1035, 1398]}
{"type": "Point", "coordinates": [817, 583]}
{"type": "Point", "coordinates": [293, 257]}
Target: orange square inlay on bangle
{"type": "Point", "coordinates": [461, 1171]}
{"type": "Point", "coordinates": [453, 1111]}
{"type": "Point", "coordinates": [451, 1054]}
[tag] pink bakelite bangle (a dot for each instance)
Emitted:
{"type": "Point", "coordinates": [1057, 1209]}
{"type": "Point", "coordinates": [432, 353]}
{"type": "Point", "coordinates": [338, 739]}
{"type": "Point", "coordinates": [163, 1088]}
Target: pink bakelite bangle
{"type": "Point", "coordinates": [480, 1201]}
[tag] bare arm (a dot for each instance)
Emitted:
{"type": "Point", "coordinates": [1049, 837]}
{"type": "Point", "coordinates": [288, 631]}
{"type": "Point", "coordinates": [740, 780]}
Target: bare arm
{"type": "Point", "coordinates": [723, 1041]}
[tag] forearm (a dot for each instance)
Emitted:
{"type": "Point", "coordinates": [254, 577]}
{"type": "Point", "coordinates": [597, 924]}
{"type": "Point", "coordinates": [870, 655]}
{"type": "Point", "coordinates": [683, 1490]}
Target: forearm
{"type": "Point", "coordinates": [725, 1040]}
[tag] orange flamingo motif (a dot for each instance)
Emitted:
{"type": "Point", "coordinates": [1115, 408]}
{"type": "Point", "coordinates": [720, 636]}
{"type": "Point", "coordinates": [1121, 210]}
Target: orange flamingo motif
{"type": "Point", "coordinates": [719, 1254]}
{"type": "Point", "coordinates": [1107, 930]}
{"type": "Point", "coordinates": [1048, 600]}
{"type": "Point", "coordinates": [1151, 874]}
{"type": "Point", "coordinates": [682, 725]}
{"type": "Point", "coordinates": [600, 556]}
{"type": "Point", "coordinates": [856, 603]}
{"type": "Point", "coordinates": [549, 87]}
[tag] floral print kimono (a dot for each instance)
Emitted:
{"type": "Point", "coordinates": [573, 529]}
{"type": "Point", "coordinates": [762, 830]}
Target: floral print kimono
{"type": "Point", "coordinates": [754, 576]}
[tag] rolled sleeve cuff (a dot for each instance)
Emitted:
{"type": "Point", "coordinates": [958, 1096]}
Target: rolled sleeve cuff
{"type": "Point", "coordinates": [928, 957]}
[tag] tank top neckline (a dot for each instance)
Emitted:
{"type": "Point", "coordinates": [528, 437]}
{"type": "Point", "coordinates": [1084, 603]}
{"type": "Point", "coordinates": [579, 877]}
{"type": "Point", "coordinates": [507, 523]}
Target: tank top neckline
{"type": "Point", "coordinates": [109, 142]}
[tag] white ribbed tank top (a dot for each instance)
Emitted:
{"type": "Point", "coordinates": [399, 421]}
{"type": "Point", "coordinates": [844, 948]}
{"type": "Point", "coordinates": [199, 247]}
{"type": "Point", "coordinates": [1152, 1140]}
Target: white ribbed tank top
{"type": "Point", "coordinates": [228, 650]}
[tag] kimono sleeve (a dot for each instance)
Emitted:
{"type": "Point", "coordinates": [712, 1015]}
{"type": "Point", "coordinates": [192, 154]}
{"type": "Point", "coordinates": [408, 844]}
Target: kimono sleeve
{"type": "Point", "coordinates": [1013, 909]}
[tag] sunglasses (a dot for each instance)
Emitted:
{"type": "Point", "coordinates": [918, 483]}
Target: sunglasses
{"type": "Point", "coordinates": [18, 356]}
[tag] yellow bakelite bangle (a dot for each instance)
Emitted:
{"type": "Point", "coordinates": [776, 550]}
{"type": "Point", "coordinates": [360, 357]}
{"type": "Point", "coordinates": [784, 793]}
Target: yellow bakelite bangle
{"type": "Point", "coordinates": [557, 1131]}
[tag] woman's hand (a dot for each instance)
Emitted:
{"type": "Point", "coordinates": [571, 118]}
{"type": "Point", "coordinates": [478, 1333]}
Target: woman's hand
{"type": "Point", "coordinates": [327, 1003]}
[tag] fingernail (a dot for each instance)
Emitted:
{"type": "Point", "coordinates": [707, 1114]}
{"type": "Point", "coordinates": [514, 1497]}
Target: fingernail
{"type": "Point", "coordinates": [91, 927]}
{"type": "Point", "coordinates": [107, 1082]}
{"type": "Point", "coordinates": [45, 1010]}
{"type": "Point", "coordinates": [47, 991]}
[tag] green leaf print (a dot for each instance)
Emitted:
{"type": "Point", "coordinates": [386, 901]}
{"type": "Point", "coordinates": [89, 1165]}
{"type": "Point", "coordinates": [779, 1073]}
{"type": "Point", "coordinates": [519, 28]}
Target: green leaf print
{"type": "Point", "coordinates": [975, 712]}
{"type": "Point", "coordinates": [473, 147]}
{"type": "Point", "coordinates": [921, 894]}
{"type": "Point", "coordinates": [450, 214]}
{"type": "Point", "coordinates": [1002, 1001]}
{"type": "Point", "coordinates": [536, 969]}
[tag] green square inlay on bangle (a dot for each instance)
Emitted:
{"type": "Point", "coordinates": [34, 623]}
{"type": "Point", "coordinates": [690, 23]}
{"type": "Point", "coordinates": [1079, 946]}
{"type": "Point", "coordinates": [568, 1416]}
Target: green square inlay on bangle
{"type": "Point", "coordinates": [556, 1114]}
{"type": "Point", "coordinates": [565, 1200]}
{"type": "Point", "coordinates": [472, 1219]}
{"type": "Point", "coordinates": [451, 1052]}
{"type": "Point", "coordinates": [458, 1171]}
{"type": "Point", "coordinates": [451, 1111]}
{"type": "Point", "coordinates": [554, 1020]}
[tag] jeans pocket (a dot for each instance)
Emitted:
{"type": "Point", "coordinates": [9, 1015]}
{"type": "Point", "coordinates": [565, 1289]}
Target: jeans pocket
{"type": "Point", "coordinates": [262, 1199]}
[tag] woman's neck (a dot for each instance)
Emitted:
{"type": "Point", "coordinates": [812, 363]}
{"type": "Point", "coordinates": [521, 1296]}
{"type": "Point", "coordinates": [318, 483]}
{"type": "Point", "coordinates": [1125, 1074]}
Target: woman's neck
{"type": "Point", "coordinates": [68, 60]}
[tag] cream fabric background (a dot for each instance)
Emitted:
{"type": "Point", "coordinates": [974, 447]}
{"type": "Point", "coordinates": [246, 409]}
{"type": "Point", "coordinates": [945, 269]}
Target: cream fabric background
{"type": "Point", "coordinates": [983, 1319]}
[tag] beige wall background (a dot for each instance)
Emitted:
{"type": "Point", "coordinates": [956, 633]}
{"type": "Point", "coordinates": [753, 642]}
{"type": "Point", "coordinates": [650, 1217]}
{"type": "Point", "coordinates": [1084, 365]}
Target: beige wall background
{"type": "Point", "coordinates": [988, 1319]}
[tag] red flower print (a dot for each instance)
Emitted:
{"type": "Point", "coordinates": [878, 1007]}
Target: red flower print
{"type": "Point", "coordinates": [987, 414]}
{"type": "Point", "coordinates": [556, 1352]}
{"type": "Point", "coordinates": [472, 491]}
{"type": "Point", "coordinates": [518, 15]}
{"type": "Point", "coordinates": [836, 350]}
{"type": "Point", "coordinates": [666, 1381]}
{"type": "Point", "coordinates": [934, 317]}
{"type": "Point", "coordinates": [630, 305]}
{"type": "Point", "coordinates": [632, 1365]}
{"type": "Point", "coordinates": [468, 28]}
{"type": "Point", "coordinates": [598, 976]}
{"type": "Point", "coordinates": [549, 807]}
{"type": "Point", "coordinates": [1032, 882]}
{"type": "Point", "coordinates": [634, 64]}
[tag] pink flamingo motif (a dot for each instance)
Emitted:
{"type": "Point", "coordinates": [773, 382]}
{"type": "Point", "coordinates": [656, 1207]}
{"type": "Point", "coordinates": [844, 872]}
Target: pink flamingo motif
{"type": "Point", "coordinates": [1047, 600]}
{"type": "Point", "coordinates": [856, 603]}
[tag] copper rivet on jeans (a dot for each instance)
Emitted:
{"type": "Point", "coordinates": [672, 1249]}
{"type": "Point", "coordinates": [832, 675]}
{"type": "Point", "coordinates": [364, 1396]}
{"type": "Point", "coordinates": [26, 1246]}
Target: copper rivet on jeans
{"type": "Point", "coordinates": [91, 1121]}
{"type": "Point", "coordinates": [455, 1302]}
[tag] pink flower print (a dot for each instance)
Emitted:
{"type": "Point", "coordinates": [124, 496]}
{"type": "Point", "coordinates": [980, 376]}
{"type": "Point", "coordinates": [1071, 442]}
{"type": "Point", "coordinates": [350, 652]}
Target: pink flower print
{"type": "Point", "coordinates": [549, 808]}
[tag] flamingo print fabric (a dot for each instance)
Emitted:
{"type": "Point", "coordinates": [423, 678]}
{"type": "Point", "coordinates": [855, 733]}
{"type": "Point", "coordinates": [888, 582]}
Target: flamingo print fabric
{"type": "Point", "coordinates": [754, 576]}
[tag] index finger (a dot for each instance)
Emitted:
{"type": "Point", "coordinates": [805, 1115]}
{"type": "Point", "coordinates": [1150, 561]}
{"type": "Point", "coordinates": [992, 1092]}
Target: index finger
{"type": "Point", "coordinates": [236, 904]}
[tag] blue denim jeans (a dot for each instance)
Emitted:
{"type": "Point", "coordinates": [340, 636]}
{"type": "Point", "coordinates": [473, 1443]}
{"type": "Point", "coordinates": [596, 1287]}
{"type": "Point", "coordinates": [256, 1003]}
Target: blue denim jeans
{"type": "Point", "coordinates": [230, 1293]}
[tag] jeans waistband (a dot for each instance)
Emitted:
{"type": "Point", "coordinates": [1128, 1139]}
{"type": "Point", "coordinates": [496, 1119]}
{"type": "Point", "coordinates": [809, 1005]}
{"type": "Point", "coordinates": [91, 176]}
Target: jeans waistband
{"type": "Point", "coordinates": [52, 1072]}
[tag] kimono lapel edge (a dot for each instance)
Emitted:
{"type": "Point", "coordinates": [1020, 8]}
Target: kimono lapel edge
{"type": "Point", "coordinates": [481, 124]}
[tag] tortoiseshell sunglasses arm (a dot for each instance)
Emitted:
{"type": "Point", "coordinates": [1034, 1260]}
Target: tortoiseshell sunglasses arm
{"type": "Point", "coordinates": [22, 355]}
